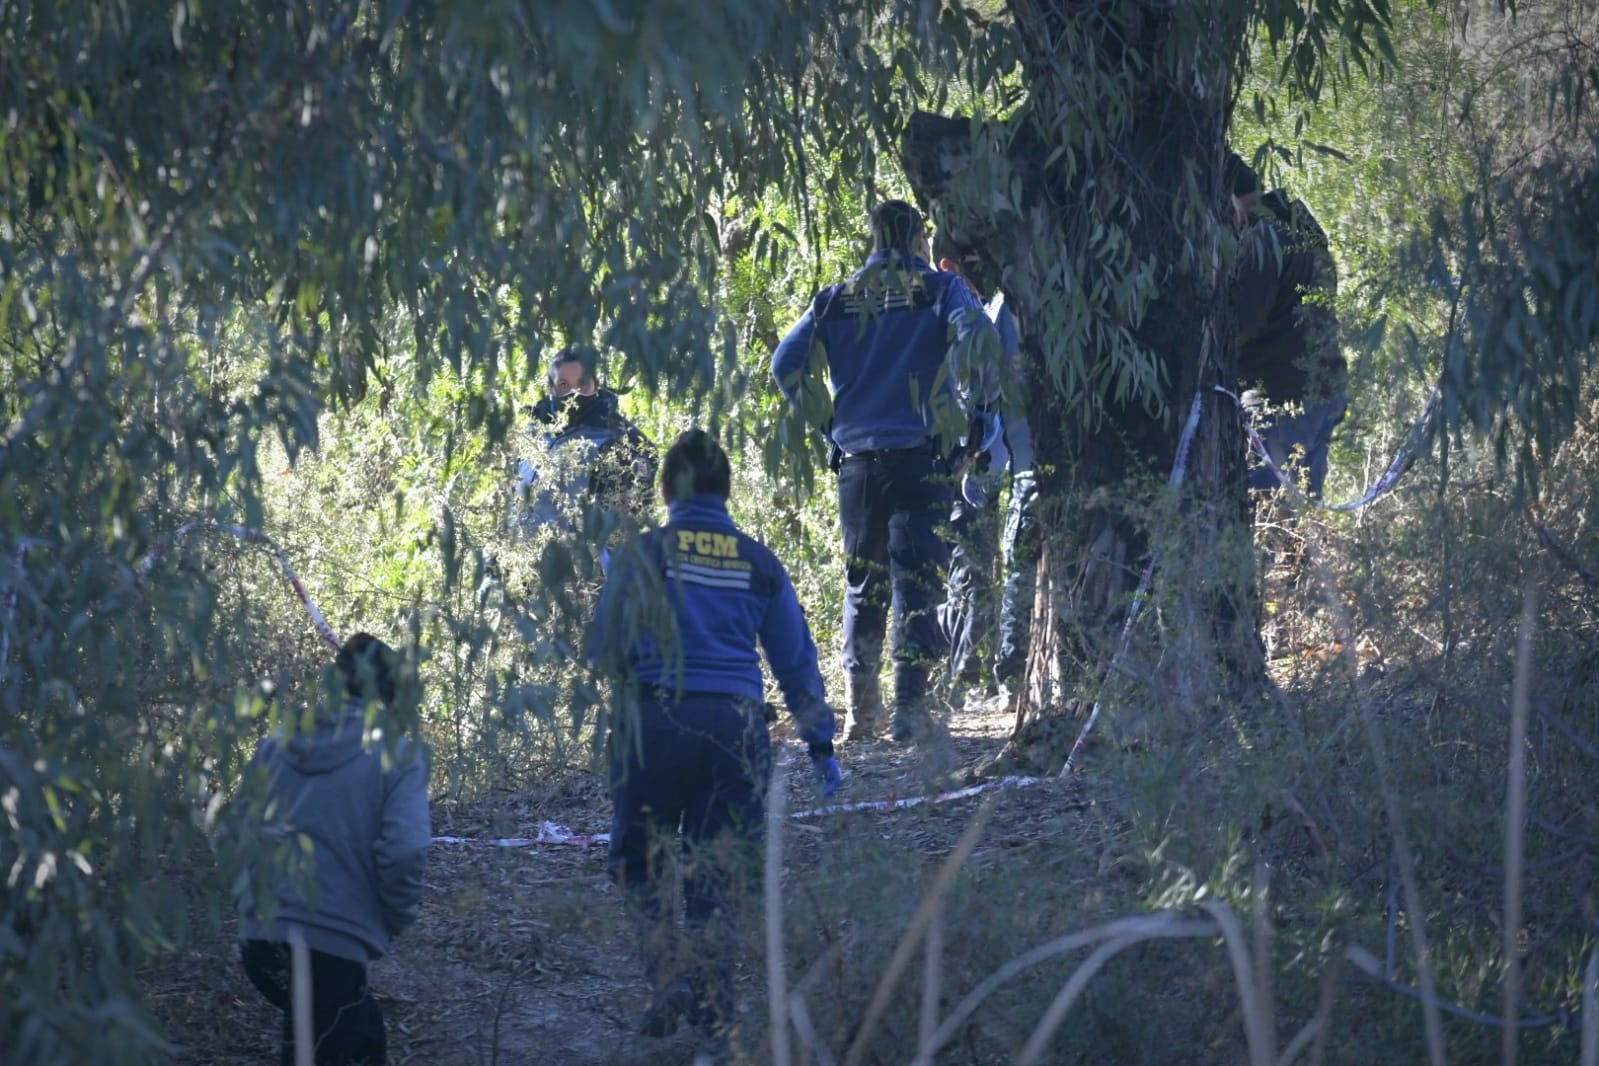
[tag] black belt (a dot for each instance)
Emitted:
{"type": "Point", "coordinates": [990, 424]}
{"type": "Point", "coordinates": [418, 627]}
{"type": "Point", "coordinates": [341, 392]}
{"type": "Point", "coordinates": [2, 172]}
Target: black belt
{"type": "Point", "coordinates": [890, 453]}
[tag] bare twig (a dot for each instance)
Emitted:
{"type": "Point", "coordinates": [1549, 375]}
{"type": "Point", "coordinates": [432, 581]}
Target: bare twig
{"type": "Point", "coordinates": [1368, 965]}
{"type": "Point", "coordinates": [1431, 1020]}
{"type": "Point", "coordinates": [1312, 1030]}
{"type": "Point", "coordinates": [933, 959]}
{"type": "Point", "coordinates": [300, 998]}
{"type": "Point", "coordinates": [1565, 556]}
{"type": "Point", "coordinates": [1391, 934]}
{"type": "Point", "coordinates": [1590, 1012]}
{"type": "Point", "coordinates": [500, 1002]}
{"type": "Point", "coordinates": [1565, 730]}
{"type": "Point", "coordinates": [801, 1017]}
{"type": "Point", "coordinates": [776, 980]}
{"type": "Point", "coordinates": [1323, 1020]}
{"type": "Point", "coordinates": [1262, 987]}
{"type": "Point", "coordinates": [1515, 818]}
{"type": "Point", "coordinates": [1069, 992]}
{"type": "Point", "coordinates": [913, 934]}
{"type": "Point", "coordinates": [1262, 1042]}
{"type": "Point", "coordinates": [1161, 924]}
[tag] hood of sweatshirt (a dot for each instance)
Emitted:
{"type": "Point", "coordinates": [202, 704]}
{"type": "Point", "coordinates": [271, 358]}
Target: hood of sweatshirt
{"type": "Point", "coordinates": [332, 742]}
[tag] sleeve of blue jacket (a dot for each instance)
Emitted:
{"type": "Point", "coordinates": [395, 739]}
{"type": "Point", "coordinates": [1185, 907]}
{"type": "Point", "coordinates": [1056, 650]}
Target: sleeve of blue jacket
{"type": "Point", "coordinates": [401, 849]}
{"type": "Point", "coordinates": [786, 638]}
{"type": "Point", "coordinates": [792, 360]}
{"type": "Point", "coordinates": [600, 635]}
{"type": "Point", "coordinates": [974, 356]}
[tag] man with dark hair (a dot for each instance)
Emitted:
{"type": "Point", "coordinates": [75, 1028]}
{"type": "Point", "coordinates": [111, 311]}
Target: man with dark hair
{"type": "Point", "coordinates": [682, 620]}
{"type": "Point", "coordinates": [592, 452]}
{"type": "Point", "coordinates": [1288, 349]}
{"type": "Point", "coordinates": [909, 359]}
{"type": "Point", "coordinates": [364, 811]}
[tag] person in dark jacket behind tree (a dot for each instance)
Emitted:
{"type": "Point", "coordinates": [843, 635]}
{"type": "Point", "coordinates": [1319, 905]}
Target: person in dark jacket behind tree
{"type": "Point", "coordinates": [911, 363]}
{"type": "Point", "coordinates": [362, 804]}
{"type": "Point", "coordinates": [592, 452]}
{"type": "Point", "coordinates": [1288, 348]}
{"type": "Point", "coordinates": [679, 622]}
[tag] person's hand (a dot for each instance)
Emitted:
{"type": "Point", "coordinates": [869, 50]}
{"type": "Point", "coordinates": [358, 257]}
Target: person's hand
{"type": "Point", "coordinates": [828, 774]}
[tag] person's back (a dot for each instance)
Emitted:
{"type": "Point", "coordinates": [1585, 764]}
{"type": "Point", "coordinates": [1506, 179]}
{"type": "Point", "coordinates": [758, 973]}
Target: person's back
{"type": "Point", "coordinates": [1291, 369]}
{"type": "Point", "coordinates": [1284, 305]}
{"type": "Point", "coordinates": [683, 617]}
{"type": "Point", "coordinates": [363, 809]}
{"type": "Point", "coordinates": [888, 333]}
{"type": "Point", "coordinates": [368, 828]}
{"type": "Point", "coordinates": [910, 359]}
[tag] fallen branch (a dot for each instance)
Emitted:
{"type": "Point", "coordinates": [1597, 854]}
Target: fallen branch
{"type": "Point", "coordinates": [1565, 556]}
{"type": "Point", "coordinates": [1432, 1024]}
{"type": "Point", "coordinates": [1367, 964]}
{"type": "Point", "coordinates": [913, 934]}
{"type": "Point", "coordinates": [1160, 925]}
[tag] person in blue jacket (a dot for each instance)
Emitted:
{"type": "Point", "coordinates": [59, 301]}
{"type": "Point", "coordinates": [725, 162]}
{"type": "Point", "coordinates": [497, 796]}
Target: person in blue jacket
{"type": "Point", "coordinates": [909, 359]}
{"type": "Point", "coordinates": [364, 811]}
{"type": "Point", "coordinates": [969, 608]}
{"type": "Point", "coordinates": [679, 621]}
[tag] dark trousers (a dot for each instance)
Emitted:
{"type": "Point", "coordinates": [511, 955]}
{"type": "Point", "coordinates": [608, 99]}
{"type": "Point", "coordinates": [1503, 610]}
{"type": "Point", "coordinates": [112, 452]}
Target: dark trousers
{"type": "Point", "coordinates": [701, 763]}
{"type": "Point", "coordinates": [968, 610]}
{"type": "Point", "coordinates": [892, 505]}
{"type": "Point", "coordinates": [1298, 444]}
{"type": "Point", "coordinates": [1021, 541]}
{"type": "Point", "coordinates": [346, 1021]}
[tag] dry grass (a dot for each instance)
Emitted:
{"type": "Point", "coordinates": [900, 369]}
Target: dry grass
{"type": "Point", "coordinates": [1229, 898]}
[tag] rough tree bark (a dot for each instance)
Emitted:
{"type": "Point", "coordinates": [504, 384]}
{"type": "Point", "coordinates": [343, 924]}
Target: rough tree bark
{"type": "Point", "coordinates": [1100, 202]}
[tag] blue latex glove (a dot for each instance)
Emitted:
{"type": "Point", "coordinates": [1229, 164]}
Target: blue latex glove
{"type": "Point", "coordinates": [828, 775]}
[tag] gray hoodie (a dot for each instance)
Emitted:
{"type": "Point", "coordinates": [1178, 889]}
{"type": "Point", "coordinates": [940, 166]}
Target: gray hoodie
{"type": "Point", "coordinates": [369, 831]}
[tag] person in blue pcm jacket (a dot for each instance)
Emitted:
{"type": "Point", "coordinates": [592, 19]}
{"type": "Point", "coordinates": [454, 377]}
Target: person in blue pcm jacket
{"type": "Point", "coordinates": [679, 620]}
{"type": "Point", "coordinates": [910, 361]}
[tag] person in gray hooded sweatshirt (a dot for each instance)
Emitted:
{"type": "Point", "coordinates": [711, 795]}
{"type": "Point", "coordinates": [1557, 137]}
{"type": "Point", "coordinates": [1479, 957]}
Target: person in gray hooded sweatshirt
{"type": "Point", "coordinates": [363, 804]}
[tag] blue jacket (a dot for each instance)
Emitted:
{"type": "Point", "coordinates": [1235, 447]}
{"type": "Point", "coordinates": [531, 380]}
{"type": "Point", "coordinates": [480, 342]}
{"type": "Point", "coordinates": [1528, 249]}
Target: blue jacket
{"type": "Point", "coordinates": [1018, 435]}
{"type": "Point", "coordinates": [685, 606]}
{"type": "Point", "coordinates": [908, 351]}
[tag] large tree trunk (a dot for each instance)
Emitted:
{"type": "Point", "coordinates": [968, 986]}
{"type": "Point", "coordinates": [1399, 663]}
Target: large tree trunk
{"type": "Point", "coordinates": [1100, 200]}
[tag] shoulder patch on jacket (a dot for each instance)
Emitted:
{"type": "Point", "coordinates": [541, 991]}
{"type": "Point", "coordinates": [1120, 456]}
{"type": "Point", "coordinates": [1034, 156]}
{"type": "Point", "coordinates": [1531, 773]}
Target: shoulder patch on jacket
{"type": "Point", "coordinates": [876, 291]}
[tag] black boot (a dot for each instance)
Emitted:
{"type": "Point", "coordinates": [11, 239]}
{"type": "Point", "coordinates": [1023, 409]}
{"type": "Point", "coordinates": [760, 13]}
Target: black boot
{"type": "Point", "coordinates": [667, 1007]}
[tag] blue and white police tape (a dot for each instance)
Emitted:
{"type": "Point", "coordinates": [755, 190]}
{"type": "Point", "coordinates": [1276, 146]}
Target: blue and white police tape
{"type": "Point", "coordinates": [552, 834]}
{"type": "Point", "coordinates": [1390, 477]}
{"type": "Point", "coordinates": [248, 536]}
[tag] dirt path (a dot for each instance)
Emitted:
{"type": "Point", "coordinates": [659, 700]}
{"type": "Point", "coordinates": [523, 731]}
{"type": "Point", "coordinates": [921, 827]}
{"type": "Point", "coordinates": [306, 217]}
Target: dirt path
{"type": "Point", "coordinates": [524, 955]}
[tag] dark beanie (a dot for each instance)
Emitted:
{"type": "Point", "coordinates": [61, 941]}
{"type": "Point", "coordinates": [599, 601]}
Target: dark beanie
{"type": "Point", "coordinates": [1239, 177]}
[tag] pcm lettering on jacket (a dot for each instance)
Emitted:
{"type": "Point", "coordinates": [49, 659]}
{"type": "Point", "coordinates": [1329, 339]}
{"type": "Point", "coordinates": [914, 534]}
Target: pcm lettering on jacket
{"type": "Point", "coordinates": [710, 599]}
